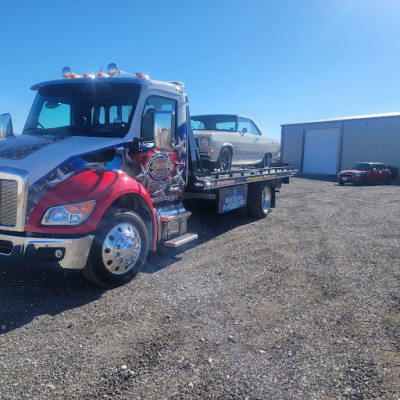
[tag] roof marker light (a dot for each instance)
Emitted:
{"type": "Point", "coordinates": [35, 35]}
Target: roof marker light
{"type": "Point", "coordinates": [101, 75]}
{"type": "Point", "coordinates": [143, 76]}
{"type": "Point", "coordinates": [85, 75]}
{"type": "Point", "coordinates": [67, 74]}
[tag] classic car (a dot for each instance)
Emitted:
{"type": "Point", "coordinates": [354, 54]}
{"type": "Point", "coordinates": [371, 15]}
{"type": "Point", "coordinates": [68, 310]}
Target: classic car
{"type": "Point", "coordinates": [362, 173]}
{"type": "Point", "coordinates": [232, 140]}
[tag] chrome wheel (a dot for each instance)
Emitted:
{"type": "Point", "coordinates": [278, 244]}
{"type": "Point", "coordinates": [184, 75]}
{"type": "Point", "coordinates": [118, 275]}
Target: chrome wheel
{"type": "Point", "coordinates": [266, 199]}
{"type": "Point", "coordinates": [121, 248]}
{"type": "Point", "coordinates": [259, 199]}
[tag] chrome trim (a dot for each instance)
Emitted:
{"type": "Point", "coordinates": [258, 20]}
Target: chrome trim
{"type": "Point", "coordinates": [171, 220]}
{"type": "Point", "coordinates": [22, 178]}
{"type": "Point", "coordinates": [76, 250]}
{"type": "Point", "coordinates": [121, 248]}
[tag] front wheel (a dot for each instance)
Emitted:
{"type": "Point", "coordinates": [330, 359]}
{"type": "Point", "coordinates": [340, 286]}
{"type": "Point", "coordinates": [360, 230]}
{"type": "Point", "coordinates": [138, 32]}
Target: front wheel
{"type": "Point", "coordinates": [119, 249]}
{"type": "Point", "coordinates": [224, 161]}
{"type": "Point", "coordinates": [259, 200]}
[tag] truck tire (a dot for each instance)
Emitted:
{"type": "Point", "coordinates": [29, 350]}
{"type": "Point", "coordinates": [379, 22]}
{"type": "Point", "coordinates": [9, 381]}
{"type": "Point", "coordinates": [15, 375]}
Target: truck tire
{"type": "Point", "coordinates": [224, 162]}
{"type": "Point", "coordinates": [259, 199]}
{"type": "Point", "coordinates": [119, 249]}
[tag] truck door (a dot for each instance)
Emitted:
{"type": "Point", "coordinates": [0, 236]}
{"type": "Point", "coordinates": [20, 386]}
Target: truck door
{"type": "Point", "coordinates": [160, 164]}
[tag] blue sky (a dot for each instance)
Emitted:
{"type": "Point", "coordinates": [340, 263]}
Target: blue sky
{"type": "Point", "coordinates": [276, 61]}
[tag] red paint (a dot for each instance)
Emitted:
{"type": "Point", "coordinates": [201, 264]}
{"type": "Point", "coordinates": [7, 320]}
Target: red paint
{"type": "Point", "coordinates": [157, 167]}
{"type": "Point", "coordinates": [370, 176]}
{"type": "Point", "coordinates": [104, 186]}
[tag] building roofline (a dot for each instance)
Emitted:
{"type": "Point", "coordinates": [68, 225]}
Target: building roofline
{"type": "Point", "coordinates": [394, 114]}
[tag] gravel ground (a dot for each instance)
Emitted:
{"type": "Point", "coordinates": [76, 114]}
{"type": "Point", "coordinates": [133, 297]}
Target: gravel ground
{"type": "Point", "coordinates": [304, 304]}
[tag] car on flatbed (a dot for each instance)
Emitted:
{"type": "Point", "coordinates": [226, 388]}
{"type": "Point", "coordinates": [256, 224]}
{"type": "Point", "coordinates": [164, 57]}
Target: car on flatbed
{"type": "Point", "coordinates": [227, 140]}
{"type": "Point", "coordinates": [362, 173]}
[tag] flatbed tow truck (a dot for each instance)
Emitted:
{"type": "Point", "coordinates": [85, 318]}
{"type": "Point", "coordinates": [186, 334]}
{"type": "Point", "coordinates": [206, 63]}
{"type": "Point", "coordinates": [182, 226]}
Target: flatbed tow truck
{"type": "Point", "coordinates": [101, 174]}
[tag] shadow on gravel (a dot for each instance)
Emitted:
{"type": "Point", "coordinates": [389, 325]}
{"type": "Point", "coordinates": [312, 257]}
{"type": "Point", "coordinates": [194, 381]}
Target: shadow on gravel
{"type": "Point", "coordinates": [27, 293]}
{"type": "Point", "coordinates": [326, 178]}
{"type": "Point", "coordinates": [207, 224]}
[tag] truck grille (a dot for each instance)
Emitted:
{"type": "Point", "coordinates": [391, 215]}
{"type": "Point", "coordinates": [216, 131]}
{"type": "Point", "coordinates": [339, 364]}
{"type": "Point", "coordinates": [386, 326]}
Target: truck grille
{"type": "Point", "coordinates": [8, 202]}
{"type": "Point", "coordinates": [14, 184]}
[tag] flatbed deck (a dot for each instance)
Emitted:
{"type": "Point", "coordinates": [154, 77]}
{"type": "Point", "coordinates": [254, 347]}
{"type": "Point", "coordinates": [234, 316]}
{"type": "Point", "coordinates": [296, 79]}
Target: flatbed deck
{"type": "Point", "coordinates": [233, 177]}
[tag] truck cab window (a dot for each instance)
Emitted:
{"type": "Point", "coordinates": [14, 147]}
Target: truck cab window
{"type": "Point", "coordinates": [159, 122]}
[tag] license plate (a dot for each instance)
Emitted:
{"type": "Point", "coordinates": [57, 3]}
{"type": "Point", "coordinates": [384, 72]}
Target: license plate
{"type": "Point", "coordinates": [344, 179]}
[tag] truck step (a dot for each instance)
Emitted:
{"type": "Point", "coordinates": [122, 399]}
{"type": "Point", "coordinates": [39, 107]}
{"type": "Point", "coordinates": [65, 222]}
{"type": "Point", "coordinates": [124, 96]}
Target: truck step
{"type": "Point", "coordinates": [180, 240]}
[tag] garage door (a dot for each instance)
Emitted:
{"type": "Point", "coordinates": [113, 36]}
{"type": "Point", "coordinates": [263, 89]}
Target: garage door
{"type": "Point", "coordinates": [321, 151]}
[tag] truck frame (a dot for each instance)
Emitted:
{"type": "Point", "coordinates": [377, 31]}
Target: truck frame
{"type": "Point", "coordinates": [102, 172]}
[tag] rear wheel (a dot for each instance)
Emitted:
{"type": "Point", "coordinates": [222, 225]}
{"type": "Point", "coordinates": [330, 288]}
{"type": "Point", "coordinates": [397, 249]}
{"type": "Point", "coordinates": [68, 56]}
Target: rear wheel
{"type": "Point", "coordinates": [259, 200]}
{"type": "Point", "coordinates": [266, 161]}
{"type": "Point", "coordinates": [224, 161]}
{"type": "Point", "coordinates": [119, 249]}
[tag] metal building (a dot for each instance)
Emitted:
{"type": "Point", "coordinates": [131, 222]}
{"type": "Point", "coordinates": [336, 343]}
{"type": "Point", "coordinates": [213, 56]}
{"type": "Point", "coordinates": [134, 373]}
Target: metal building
{"type": "Point", "coordinates": [328, 146]}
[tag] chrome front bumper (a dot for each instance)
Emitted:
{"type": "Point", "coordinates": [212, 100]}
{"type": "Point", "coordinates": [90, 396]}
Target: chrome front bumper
{"type": "Point", "coordinates": [67, 253]}
{"type": "Point", "coordinates": [209, 155]}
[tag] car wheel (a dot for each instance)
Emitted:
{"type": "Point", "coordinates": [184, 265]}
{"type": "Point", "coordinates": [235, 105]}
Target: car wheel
{"type": "Point", "coordinates": [119, 249]}
{"type": "Point", "coordinates": [259, 200]}
{"type": "Point", "coordinates": [224, 161]}
{"type": "Point", "coordinates": [364, 181]}
{"type": "Point", "coordinates": [266, 161]}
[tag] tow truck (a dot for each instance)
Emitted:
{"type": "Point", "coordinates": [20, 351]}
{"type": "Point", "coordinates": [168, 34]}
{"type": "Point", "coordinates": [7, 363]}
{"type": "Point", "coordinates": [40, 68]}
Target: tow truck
{"type": "Point", "coordinates": [101, 174]}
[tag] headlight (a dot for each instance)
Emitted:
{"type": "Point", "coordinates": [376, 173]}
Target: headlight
{"type": "Point", "coordinates": [357, 174]}
{"type": "Point", "coordinates": [69, 214]}
{"type": "Point", "coordinates": [204, 141]}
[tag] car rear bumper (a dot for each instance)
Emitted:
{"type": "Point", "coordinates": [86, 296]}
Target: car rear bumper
{"type": "Point", "coordinates": [70, 253]}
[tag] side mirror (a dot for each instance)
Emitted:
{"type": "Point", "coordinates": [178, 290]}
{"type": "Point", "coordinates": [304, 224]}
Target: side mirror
{"type": "Point", "coordinates": [6, 128]}
{"type": "Point", "coordinates": [164, 126]}
{"type": "Point", "coordinates": [244, 130]}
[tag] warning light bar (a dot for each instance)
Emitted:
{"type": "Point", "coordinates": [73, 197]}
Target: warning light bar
{"type": "Point", "coordinates": [112, 70]}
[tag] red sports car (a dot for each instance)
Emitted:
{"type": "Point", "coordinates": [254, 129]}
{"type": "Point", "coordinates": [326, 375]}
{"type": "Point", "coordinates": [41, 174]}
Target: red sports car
{"type": "Point", "coordinates": [362, 173]}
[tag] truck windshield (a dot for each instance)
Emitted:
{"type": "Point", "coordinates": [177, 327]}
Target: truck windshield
{"type": "Point", "coordinates": [213, 122]}
{"type": "Point", "coordinates": [83, 109]}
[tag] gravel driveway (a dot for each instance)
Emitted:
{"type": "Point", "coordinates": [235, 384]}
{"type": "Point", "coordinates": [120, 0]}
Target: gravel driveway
{"type": "Point", "coordinates": [304, 304]}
